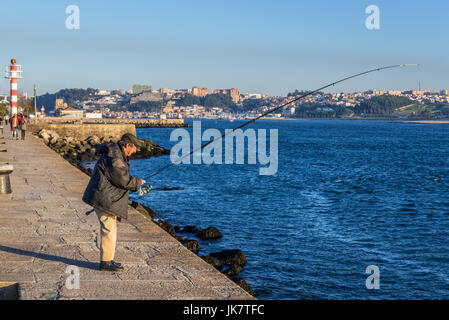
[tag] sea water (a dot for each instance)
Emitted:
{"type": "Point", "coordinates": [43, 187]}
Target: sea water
{"type": "Point", "coordinates": [347, 195]}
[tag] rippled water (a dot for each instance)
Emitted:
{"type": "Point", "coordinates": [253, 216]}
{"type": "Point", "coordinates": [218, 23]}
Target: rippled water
{"type": "Point", "coordinates": [347, 194]}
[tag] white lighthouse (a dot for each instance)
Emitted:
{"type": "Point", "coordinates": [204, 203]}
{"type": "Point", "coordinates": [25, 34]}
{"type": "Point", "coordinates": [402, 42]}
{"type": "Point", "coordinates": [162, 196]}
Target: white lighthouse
{"type": "Point", "coordinates": [13, 72]}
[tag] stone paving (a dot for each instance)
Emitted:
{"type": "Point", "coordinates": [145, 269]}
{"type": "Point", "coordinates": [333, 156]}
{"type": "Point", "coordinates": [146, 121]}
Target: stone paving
{"type": "Point", "coordinates": [44, 231]}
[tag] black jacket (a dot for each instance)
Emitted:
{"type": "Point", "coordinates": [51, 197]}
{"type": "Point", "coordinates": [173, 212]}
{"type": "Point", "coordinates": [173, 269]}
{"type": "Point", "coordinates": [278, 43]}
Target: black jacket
{"type": "Point", "coordinates": [110, 182]}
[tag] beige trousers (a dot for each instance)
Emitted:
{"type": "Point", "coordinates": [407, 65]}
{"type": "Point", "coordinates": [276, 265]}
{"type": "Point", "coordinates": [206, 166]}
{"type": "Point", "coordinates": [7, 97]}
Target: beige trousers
{"type": "Point", "coordinates": [108, 235]}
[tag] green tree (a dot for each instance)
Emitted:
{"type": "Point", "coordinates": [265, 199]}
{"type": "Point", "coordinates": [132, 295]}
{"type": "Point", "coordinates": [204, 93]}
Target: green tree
{"type": "Point", "coordinates": [190, 100]}
{"type": "Point", "coordinates": [4, 110]}
{"type": "Point", "coordinates": [381, 105]}
{"type": "Point", "coordinates": [218, 100]}
{"type": "Point", "coordinates": [70, 96]}
{"type": "Point", "coordinates": [147, 106]}
{"type": "Point", "coordinates": [209, 101]}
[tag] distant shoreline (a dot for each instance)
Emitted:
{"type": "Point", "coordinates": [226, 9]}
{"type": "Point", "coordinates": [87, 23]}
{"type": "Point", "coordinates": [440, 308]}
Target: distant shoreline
{"type": "Point", "coordinates": [429, 121]}
{"type": "Point", "coordinates": [340, 119]}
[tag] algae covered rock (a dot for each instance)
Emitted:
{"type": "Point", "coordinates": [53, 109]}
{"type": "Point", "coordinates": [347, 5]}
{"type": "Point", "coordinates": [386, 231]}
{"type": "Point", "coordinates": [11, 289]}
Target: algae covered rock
{"type": "Point", "coordinates": [166, 226]}
{"type": "Point", "coordinates": [210, 233]}
{"type": "Point", "coordinates": [230, 257]}
{"type": "Point", "coordinates": [191, 229]}
{"type": "Point", "coordinates": [93, 140]}
{"type": "Point", "coordinates": [245, 286]}
{"type": "Point", "coordinates": [213, 261]}
{"type": "Point", "coordinates": [190, 244]}
{"type": "Point", "coordinates": [143, 209]}
{"type": "Point", "coordinates": [233, 270]}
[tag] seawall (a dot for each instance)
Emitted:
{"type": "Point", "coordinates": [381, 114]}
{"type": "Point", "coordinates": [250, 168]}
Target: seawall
{"type": "Point", "coordinates": [83, 131]}
{"type": "Point", "coordinates": [145, 123]}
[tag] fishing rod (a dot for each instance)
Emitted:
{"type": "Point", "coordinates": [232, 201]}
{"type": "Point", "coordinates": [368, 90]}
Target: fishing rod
{"type": "Point", "coordinates": [147, 189]}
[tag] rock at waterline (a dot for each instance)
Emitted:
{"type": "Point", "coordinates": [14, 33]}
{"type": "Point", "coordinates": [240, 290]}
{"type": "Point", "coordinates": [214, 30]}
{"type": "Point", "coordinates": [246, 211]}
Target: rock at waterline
{"type": "Point", "coordinates": [170, 188]}
{"type": "Point", "coordinates": [210, 233]}
{"type": "Point", "coordinates": [93, 140]}
{"type": "Point", "coordinates": [167, 227]}
{"type": "Point", "coordinates": [245, 286]}
{"type": "Point", "coordinates": [73, 150]}
{"type": "Point", "coordinates": [143, 209]}
{"type": "Point", "coordinates": [233, 270]}
{"type": "Point", "coordinates": [191, 229]}
{"type": "Point", "coordinates": [215, 262]}
{"type": "Point", "coordinates": [190, 244]}
{"type": "Point", "coordinates": [230, 257]}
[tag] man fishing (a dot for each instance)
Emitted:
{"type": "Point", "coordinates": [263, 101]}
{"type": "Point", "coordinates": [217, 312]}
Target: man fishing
{"type": "Point", "coordinates": [107, 192]}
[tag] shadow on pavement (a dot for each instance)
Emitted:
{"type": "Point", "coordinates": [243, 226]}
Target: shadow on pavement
{"type": "Point", "coordinates": [50, 257]}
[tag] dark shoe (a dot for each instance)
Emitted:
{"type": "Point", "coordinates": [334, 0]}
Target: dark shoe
{"type": "Point", "coordinates": [110, 266]}
{"type": "Point", "coordinates": [118, 264]}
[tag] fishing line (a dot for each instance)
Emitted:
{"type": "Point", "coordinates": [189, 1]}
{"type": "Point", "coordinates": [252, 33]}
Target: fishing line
{"type": "Point", "coordinates": [147, 189]}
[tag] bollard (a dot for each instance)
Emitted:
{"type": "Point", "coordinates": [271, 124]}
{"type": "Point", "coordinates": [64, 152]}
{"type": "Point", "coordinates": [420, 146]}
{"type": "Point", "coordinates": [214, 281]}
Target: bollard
{"type": "Point", "coordinates": [5, 184]}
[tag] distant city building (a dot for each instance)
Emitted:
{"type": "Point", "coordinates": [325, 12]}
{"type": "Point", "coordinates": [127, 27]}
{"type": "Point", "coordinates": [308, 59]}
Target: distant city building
{"type": "Point", "coordinates": [200, 92]}
{"type": "Point", "coordinates": [394, 92]}
{"type": "Point", "coordinates": [102, 93]}
{"type": "Point", "coordinates": [139, 88]}
{"type": "Point", "coordinates": [376, 92]}
{"type": "Point", "coordinates": [94, 115]}
{"type": "Point", "coordinates": [119, 92]}
{"type": "Point", "coordinates": [444, 92]}
{"type": "Point", "coordinates": [148, 96]}
{"type": "Point", "coordinates": [253, 96]}
{"type": "Point", "coordinates": [69, 112]}
{"type": "Point", "coordinates": [233, 93]}
{"type": "Point", "coordinates": [167, 91]}
{"type": "Point", "coordinates": [416, 92]}
{"type": "Point", "coordinates": [60, 104]}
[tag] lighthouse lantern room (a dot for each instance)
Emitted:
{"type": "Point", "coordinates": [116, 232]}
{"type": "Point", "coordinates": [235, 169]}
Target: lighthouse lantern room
{"type": "Point", "coordinates": [13, 72]}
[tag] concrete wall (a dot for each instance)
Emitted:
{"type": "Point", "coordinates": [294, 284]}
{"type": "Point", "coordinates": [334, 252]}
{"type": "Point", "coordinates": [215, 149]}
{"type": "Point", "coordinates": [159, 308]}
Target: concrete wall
{"type": "Point", "coordinates": [82, 131]}
{"type": "Point", "coordinates": [164, 123]}
{"type": "Point", "coordinates": [141, 122]}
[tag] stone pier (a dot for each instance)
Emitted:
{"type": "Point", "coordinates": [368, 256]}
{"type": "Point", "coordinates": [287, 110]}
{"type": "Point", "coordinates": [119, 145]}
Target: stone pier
{"type": "Point", "coordinates": [45, 235]}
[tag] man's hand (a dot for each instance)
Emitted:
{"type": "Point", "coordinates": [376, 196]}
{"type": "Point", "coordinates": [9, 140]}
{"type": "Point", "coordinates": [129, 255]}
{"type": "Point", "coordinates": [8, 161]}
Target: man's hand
{"type": "Point", "coordinates": [142, 182]}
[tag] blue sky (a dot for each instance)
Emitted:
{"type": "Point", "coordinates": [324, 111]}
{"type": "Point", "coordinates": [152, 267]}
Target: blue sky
{"type": "Point", "coordinates": [272, 47]}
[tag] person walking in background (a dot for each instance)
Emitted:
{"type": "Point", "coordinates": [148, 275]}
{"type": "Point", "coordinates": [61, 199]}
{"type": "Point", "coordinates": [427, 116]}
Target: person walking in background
{"type": "Point", "coordinates": [14, 122]}
{"type": "Point", "coordinates": [108, 191]}
{"type": "Point", "coordinates": [23, 127]}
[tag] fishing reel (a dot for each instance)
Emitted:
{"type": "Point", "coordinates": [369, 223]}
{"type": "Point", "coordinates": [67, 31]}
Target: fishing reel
{"type": "Point", "coordinates": [145, 190]}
